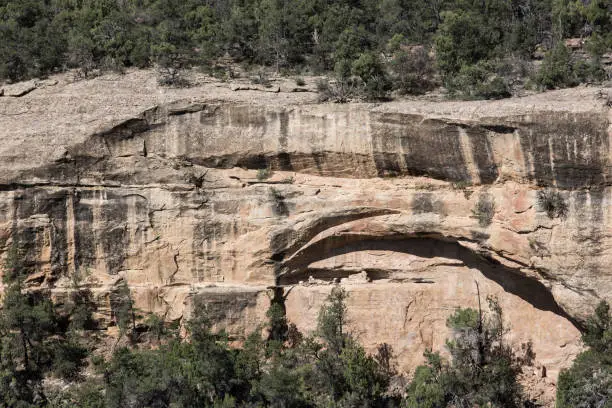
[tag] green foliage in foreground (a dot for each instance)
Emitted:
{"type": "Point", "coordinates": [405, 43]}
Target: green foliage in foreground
{"type": "Point", "coordinates": [42, 340]}
{"type": "Point", "coordinates": [286, 370]}
{"type": "Point", "coordinates": [588, 383]}
{"type": "Point", "coordinates": [283, 369]}
{"type": "Point", "coordinates": [483, 370]}
{"type": "Point", "coordinates": [35, 341]}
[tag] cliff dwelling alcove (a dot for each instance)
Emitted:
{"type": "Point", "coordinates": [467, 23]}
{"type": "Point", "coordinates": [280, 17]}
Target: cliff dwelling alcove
{"type": "Point", "coordinates": [407, 259]}
{"type": "Point", "coordinates": [413, 283]}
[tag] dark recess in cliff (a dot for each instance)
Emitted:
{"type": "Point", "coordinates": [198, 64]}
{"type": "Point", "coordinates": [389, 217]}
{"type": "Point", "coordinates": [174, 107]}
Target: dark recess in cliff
{"type": "Point", "coordinates": [512, 280]}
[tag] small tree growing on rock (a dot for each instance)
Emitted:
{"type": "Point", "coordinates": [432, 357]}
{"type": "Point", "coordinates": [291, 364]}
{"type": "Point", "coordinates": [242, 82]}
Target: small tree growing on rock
{"type": "Point", "coordinates": [344, 375]}
{"type": "Point", "coordinates": [123, 308]}
{"type": "Point", "coordinates": [483, 371]}
{"type": "Point", "coordinates": [484, 210]}
{"type": "Point", "coordinates": [552, 202]}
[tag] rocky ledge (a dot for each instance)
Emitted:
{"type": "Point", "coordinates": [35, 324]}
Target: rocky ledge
{"type": "Point", "coordinates": [222, 192]}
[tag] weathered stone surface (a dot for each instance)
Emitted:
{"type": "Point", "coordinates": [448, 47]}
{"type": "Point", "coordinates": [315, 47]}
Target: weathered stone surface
{"type": "Point", "coordinates": [119, 179]}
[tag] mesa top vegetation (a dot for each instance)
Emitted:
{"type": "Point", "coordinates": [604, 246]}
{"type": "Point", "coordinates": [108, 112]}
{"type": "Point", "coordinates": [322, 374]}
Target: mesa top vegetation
{"type": "Point", "coordinates": [474, 48]}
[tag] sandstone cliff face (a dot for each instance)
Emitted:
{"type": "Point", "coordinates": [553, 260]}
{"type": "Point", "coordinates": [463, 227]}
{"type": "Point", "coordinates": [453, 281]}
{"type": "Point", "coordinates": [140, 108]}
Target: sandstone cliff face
{"type": "Point", "coordinates": [406, 203]}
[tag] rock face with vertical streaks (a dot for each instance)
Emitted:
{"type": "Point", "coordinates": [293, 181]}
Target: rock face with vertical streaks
{"type": "Point", "coordinates": [220, 194]}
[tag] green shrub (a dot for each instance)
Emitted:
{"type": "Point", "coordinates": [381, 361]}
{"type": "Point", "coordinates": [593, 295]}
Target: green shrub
{"type": "Point", "coordinates": [413, 71]}
{"type": "Point", "coordinates": [349, 47]}
{"type": "Point", "coordinates": [172, 77]}
{"type": "Point", "coordinates": [556, 69]}
{"type": "Point", "coordinates": [479, 81]}
{"type": "Point", "coordinates": [171, 64]}
{"type": "Point", "coordinates": [86, 395]}
{"type": "Point", "coordinates": [369, 69]}
{"type": "Point", "coordinates": [588, 382]}
{"type": "Point", "coordinates": [423, 203]}
{"type": "Point", "coordinates": [42, 37]}
{"type": "Point", "coordinates": [483, 371]}
{"type": "Point", "coordinates": [122, 307]}
{"type": "Point", "coordinates": [588, 71]}
{"type": "Point", "coordinates": [264, 174]}
{"type": "Point", "coordinates": [261, 77]}
{"type": "Point", "coordinates": [34, 340]}
{"type": "Point", "coordinates": [462, 40]}
{"type": "Point", "coordinates": [80, 55]}
{"type": "Point", "coordinates": [553, 203]}
{"type": "Point", "coordinates": [69, 360]}
{"type": "Point", "coordinates": [395, 43]}
{"type": "Point", "coordinates": [338, 91]}
{"type": "Point", "coordinates": [560, 70]}
{"type": "Point", "coordinates": [598, 44]}
{"type": "Point", "coordinates": [461, 184]}
{"type": "Point", "coordinates": [484, 210]}
{"type": "Point", "coordinates": [425, 391]}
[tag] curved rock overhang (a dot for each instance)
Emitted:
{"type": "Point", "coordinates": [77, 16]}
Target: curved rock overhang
{"type": "Point", "coordinates": [160, 187]}
{"type": "Point", "coordinates": [449, 251]}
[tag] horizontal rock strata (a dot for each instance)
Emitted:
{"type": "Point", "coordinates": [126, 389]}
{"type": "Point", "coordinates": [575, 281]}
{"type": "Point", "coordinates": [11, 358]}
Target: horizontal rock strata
{"type": "Point", "coordinates": [211, 193]}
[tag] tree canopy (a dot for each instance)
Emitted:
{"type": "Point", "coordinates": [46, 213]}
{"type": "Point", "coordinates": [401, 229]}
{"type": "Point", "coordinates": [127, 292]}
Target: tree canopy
{"type": "Point", "coordinates": [349, 37]}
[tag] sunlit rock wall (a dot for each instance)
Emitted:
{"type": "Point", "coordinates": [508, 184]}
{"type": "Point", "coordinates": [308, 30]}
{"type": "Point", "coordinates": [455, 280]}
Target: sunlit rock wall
{"type": "Point", "coordinates": [215, 194]}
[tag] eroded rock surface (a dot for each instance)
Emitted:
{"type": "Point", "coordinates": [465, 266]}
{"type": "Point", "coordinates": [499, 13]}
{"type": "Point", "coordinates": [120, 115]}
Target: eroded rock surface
{"type": "Point", "coordinates": [121, 180]}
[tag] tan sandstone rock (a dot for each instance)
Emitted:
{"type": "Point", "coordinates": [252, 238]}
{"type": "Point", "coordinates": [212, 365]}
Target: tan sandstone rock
{"type": "Point", "coordinates": [119, 179]}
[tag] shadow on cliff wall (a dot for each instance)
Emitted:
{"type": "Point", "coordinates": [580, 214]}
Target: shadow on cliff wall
{"type": "Point", "coordinates": [510, 279]}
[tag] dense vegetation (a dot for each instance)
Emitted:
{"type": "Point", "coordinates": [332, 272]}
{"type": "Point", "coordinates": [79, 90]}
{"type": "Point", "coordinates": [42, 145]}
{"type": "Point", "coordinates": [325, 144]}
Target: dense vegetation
{"type": "Point", "coordinates": [588, 383]}
{"type": "Point", "coordinates": [151, 365]}
{"type": "Point", "coordinates": [483, 371]}
{"type": "Point", "coordinates": [38, 338]}
{"type": "Point", "coordinates": [481, 47]}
